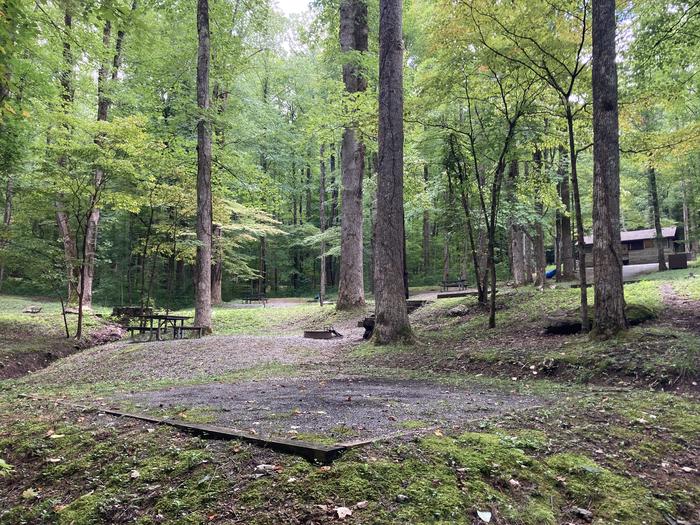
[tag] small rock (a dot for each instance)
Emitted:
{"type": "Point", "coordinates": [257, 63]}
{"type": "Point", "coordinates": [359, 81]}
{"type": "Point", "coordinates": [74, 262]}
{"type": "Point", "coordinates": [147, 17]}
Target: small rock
{"type": "Point", "coordinates": [361, 504]}
{"type": "Point", "coordinates": [402, 498]}
{"type": "Point", "coordinates": [343, 512]}
{"type": "Point", "coordinates": [583, 513]}
{"type": "Point", "coordinates": [484, 515]}
{"type": "Point", "coordinates": [458, 311]}
{"type": "Point", "coordinates": [134, 474]}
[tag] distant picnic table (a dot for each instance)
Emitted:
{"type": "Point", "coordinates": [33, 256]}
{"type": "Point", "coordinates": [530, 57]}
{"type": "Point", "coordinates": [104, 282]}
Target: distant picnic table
{"type": "Point", "coordinates": [253, 297]}
{"type": "Point", "coordinates": [460, 284]}
{"type": "Point", "coordinates": [161, 323]}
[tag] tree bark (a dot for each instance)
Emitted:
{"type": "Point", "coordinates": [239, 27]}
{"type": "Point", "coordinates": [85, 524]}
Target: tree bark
{"type": "Point", "coordinates": [392, 322]}
{"type": "Point", "coordinates": [540, 257]}
{"type": "Point", "coordinates": [568, 266]}
{"type": "Point", "coordinates": [426, 228]}
{"type": "Point", "coordinates": [322, 223]}
{"type": "Point", "coordinates": [353, 38]}
{"type": "Point", "coordinates": [217, 269]}
{"type": "Point", "coordinates": [6, 221]}
{"type": "Point", "coordinates": [687, 220]}
{"type": "Point", "coordinates": [202, 312]}
{"type": "Point", "coordinates": [580, 234]}
{"type": "Point", "coordinates": [654, 198]}
{"type": "Point", "coordinates": [607, 260]}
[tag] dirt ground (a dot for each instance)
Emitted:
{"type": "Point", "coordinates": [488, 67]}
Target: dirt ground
{"type": "Point", "coordinates": [335, 409]}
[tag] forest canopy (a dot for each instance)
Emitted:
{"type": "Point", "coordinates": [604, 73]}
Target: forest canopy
{"type": "Point", "coordinates": [99, 115]}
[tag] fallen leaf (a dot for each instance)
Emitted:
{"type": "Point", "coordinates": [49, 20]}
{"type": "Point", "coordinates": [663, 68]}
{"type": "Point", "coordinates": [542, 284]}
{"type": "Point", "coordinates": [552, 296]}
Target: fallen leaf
{"type": "Point", "coordinates": [134, 474]}
{"type": "Point", "coordinates": [438, 433]}
{"type": "Point", "coordinates": [30, 493]}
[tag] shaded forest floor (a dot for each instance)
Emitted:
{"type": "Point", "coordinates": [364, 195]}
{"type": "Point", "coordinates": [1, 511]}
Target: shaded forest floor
{"type": "Point", "coordinates": [526, 427]}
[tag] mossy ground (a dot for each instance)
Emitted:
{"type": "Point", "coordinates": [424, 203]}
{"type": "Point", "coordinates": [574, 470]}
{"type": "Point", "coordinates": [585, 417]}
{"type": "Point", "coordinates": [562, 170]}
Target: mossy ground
{"type": "Point", "coordinates": [606, 442]}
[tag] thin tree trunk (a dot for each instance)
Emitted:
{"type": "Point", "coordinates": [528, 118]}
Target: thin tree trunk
{"type": "Point", "coordinates": [204, 205]}
{"type": "Point", "coordinates": [426, 228]}
{"type": "Point", "coordinates": [446, 258]}
{"type": "Point", "coordinates": [70, 248]}
{"type": "Point", "coordinates": [654, 198]}
{"type": "Point", "coordinates": [308, 193]}
{"type": "Point", "coordinates": [217, 270]}
{"type": "Point", "coordinates": [391, 316]}
{"type": "Point", "coordinates": [580, 235]}
{"type": "Point", "coordinates": [568, 266]}
{"type": "Point", "coordinates": [353, 37]}
{"type": "Point", "coordinates": [540, 258]}
{"type": "Point", "coordinates": [687, 218]}
{"type": "Point", "coordinates": [6, 221]}
{"type": "Point", "coordinates": [322, 223]}
{"type": "Point", "coordinates": [519, 268]}
{"type": "Point", "coordinates": [607, 260]}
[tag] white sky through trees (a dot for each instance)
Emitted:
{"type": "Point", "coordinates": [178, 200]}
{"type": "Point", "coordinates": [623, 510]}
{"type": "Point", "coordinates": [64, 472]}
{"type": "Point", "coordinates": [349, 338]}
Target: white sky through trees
{"type": "Point", "coordinates": [292, 6]}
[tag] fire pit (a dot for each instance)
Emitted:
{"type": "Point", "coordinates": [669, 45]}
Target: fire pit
{"type": "Point", "coordinates": [327, 333]}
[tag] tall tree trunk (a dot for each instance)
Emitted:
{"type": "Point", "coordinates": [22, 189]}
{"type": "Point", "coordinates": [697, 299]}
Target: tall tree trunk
{"type": "Point", "coordinates": [391, 317]}
{"type": "Point", "coordinates": [6, 221]}
{"type": "Point", "coordinates": [202, 312]}
{"type": "Point", "coordinates": [331, 272]}
{"type": "Point", "coordinates": [519, 268]}
{"type": "Point", "coordinates": [540, 257]}
{"type": "Point", "coordinates": [446, 258]}
{"type": "Point", "coordinates": [580, 234]}
{"type": "Point", "coordinates": [654, 201]}
{"type": "Point", "coordinates": [308, 193]}
{"type": "Point", "coordinates": [322, 222]}
{"type": "Point", "coordinates": [607, 260]}
{"type": "Point", "coordinates": [104, 102]}
{"type": "Point", "coordinates": [70, 247]}
{"type": "Point", "coordinates": [687, 218]}
{"type": "Point", "coordinates": [217, 269]}
{"type": "Point", "coordinates": [426, 227]}
{"type": "Point", "coordinates": [262, 266]}
{"type": "Point", "coordinates": [568, 266]}
{"type": "Point", "coordinates": [353, 37]}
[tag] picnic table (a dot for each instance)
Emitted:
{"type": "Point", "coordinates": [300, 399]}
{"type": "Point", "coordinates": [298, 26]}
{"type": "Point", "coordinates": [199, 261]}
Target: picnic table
{"type": "Point", "coordinates": [157, 323]}
{"type": "Point", "coordinates": [461, 284]}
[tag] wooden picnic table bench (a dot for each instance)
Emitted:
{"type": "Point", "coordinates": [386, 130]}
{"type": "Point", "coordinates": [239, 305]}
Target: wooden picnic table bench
{"type": "Point", "coordinates": [255, 297]}
{"type": "Point", "coordinates": [461, 284]}
{"type": "Point", "coordinates": [162, 323]}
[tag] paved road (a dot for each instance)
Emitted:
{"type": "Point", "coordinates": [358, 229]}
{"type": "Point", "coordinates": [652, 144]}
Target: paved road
{"type": "Point", "coordinates": [631, 272]}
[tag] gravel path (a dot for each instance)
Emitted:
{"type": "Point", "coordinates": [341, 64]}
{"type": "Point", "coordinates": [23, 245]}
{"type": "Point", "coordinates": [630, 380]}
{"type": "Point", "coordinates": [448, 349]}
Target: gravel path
{"type": "Point", "coordinates": [193, 359]}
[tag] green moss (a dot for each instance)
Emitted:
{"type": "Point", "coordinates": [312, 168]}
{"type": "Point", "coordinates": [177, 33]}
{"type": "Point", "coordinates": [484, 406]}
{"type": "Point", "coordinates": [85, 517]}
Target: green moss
{"type": "Point", "coordinates": [613, 497]}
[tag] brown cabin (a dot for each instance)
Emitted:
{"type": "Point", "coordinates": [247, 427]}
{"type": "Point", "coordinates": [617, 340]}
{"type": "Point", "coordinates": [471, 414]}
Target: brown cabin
{"type": "Point", "coordinates": [639, 246]}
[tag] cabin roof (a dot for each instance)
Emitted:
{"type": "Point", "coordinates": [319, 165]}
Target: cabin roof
{"type": "Point", "coordinates": [640, 235]}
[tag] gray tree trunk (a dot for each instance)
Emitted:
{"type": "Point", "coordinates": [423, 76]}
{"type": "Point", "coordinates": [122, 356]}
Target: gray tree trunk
{"type": "Point", "coordinates": [202, 311]}
{"type": "Point", "coordinates": [426, 229]}
{"type": "Point", "coordinates": [391, 317]}
{"type": "Point", "coordinates": [6, 220]}
{"type": "Point", "coordinates": [607, 260]}
{"type": "Point", "coordinates": [322, 223]}
{"type": "Point", "coordinates": [217, 269]}
{"type": "Point", "coordinates": [568, 265]}
{"type": "Point", "coordinates": [654, 201]}
{"type": "Point", "coordinates": [353, 38]}
{"type": "Point", "coordinates": [687, 221]}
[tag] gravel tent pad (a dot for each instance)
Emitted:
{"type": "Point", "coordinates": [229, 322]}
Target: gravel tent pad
{"type": "Point", "coordinates": [327, 411]}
